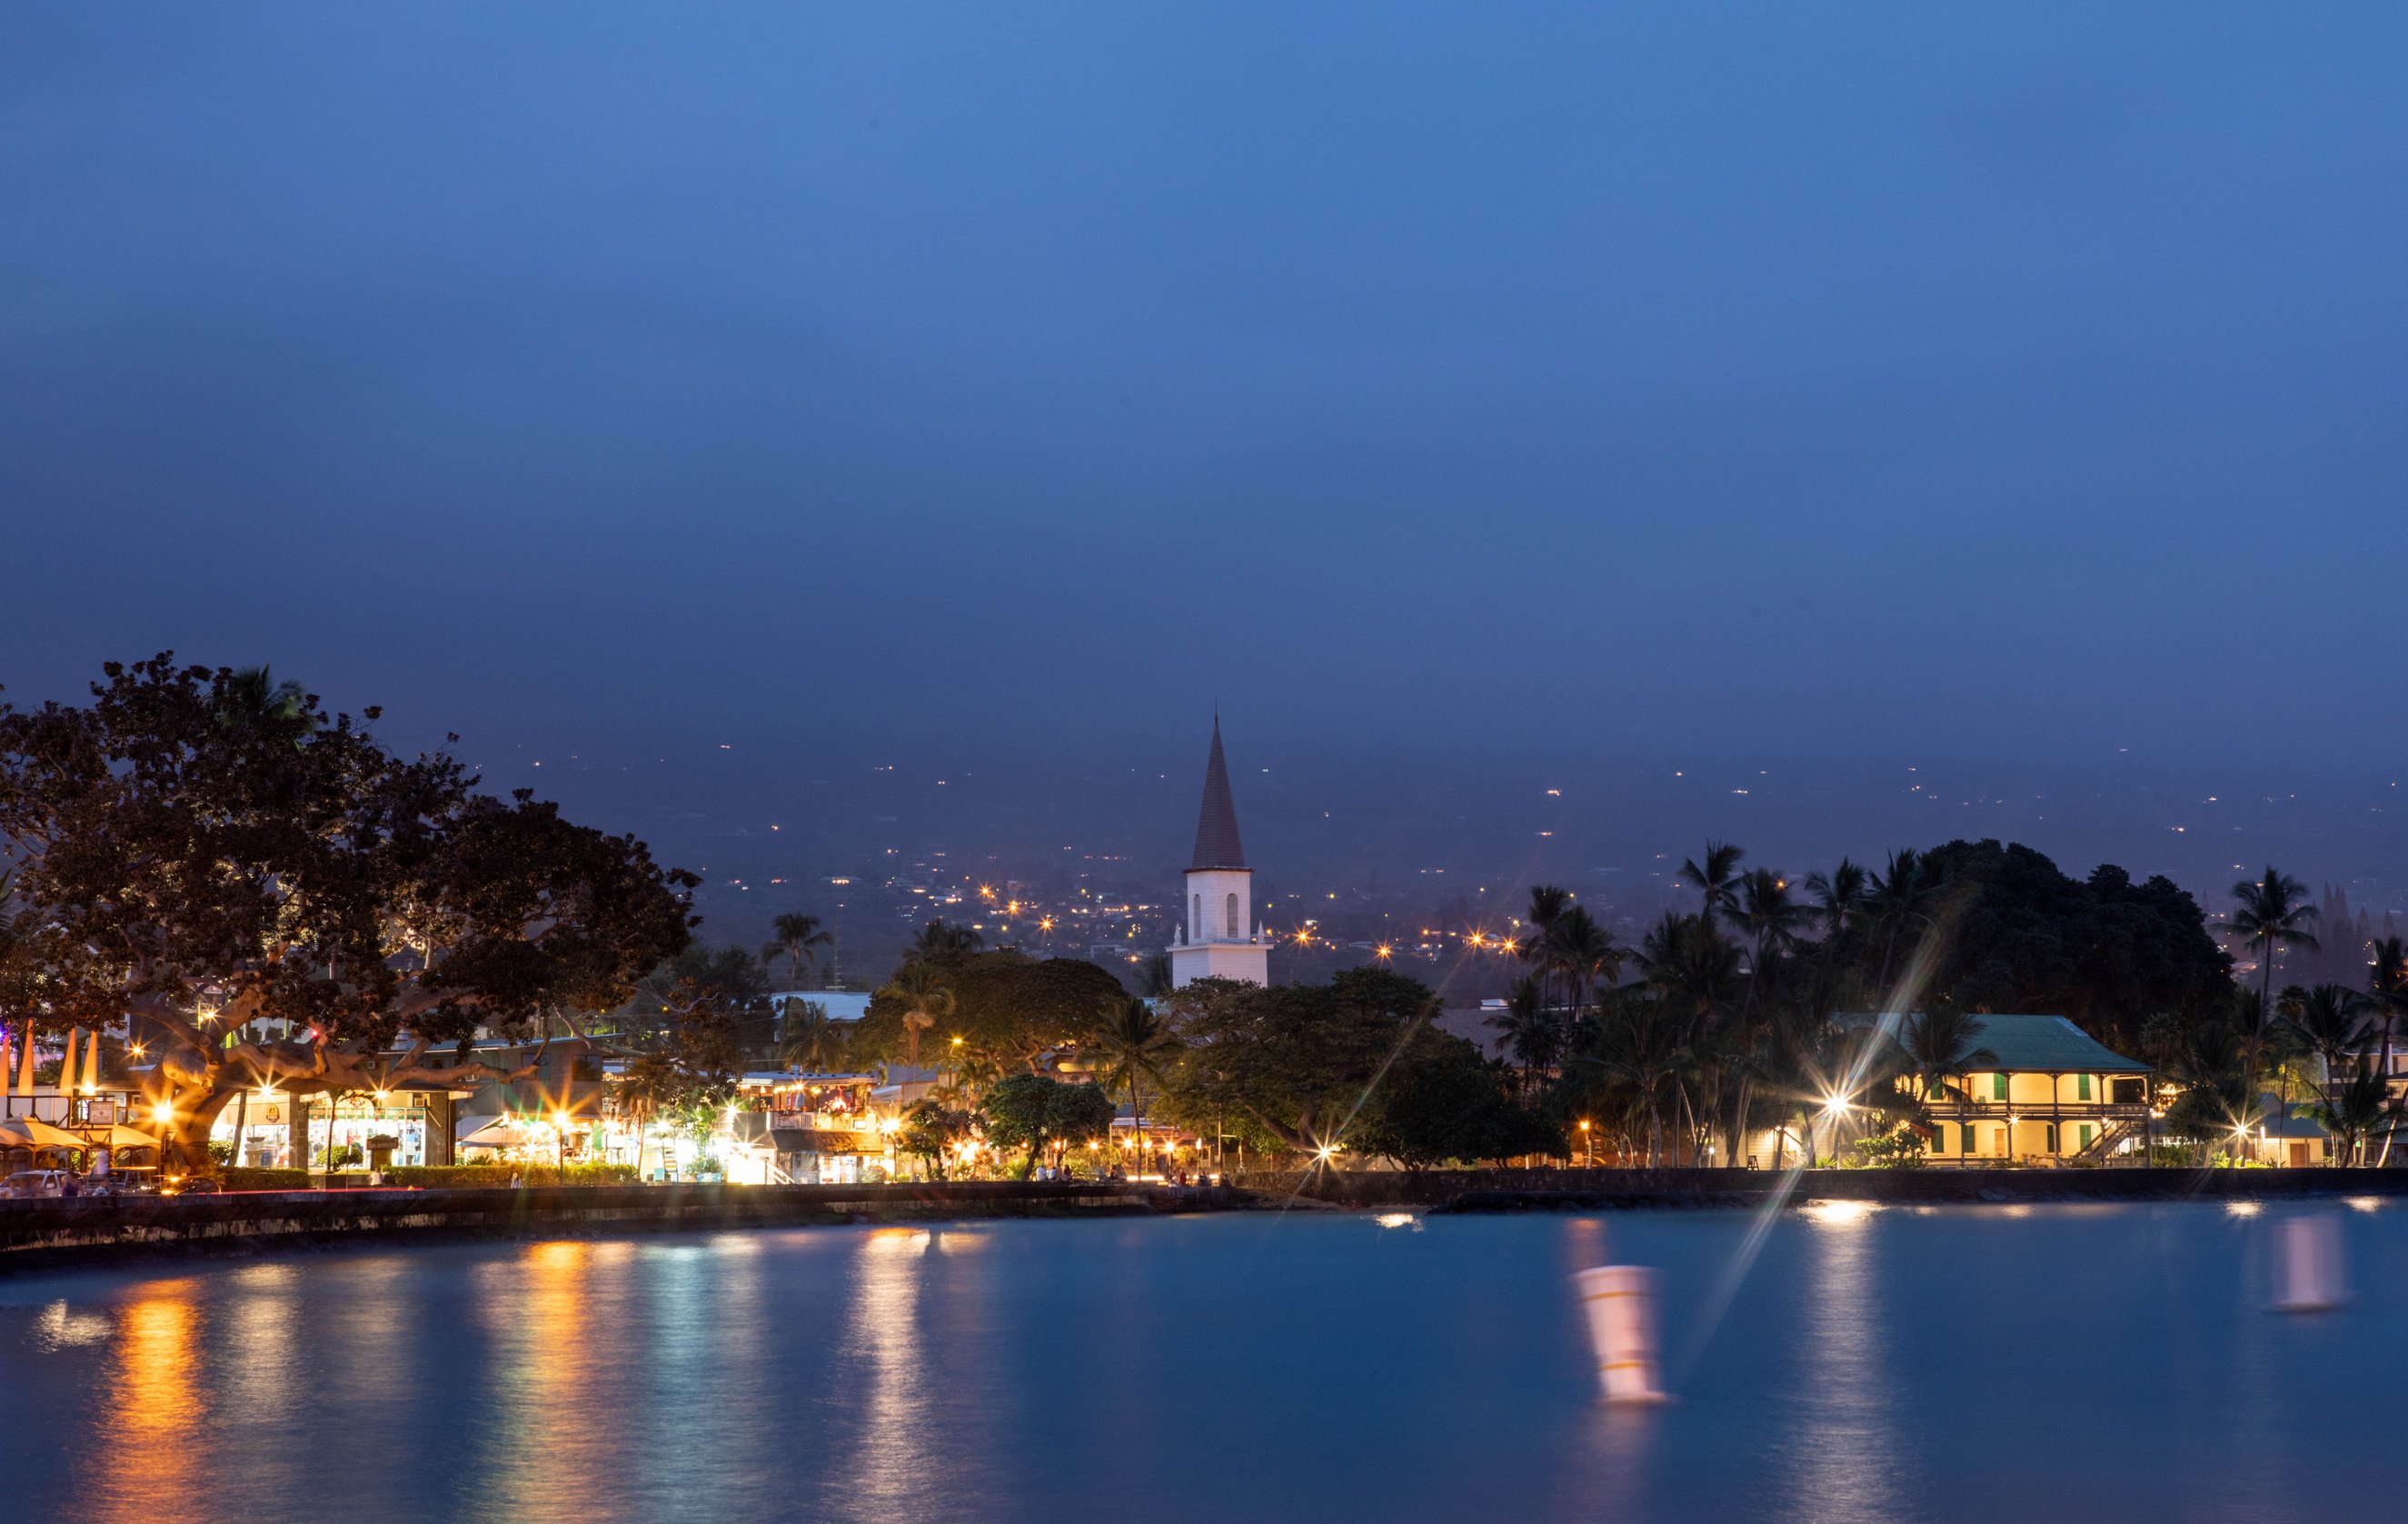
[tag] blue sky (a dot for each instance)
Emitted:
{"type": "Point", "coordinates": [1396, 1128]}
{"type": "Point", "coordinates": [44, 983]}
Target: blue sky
{"type": "Point", "coordinates": [1460, 395]}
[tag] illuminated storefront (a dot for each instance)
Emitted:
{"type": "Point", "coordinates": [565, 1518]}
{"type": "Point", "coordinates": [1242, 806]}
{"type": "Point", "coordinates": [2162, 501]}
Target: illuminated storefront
{"type": "Point", "coordinates": [275, 1129]}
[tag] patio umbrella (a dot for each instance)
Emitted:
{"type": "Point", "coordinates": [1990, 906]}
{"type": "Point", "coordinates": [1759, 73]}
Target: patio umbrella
{"type": "Point", "coordinates": [25, 1064]}
{"type": "Point", "coordinates": [66, 1065]}
{"type": "Point", "coordinates": [33, 1133]}
{"type": "Point", "coordinates": [92, 1062]}
{"type": "Point", "coordinates": [121, 1136]}
{"type": "Point", "coordinates": [494, 1132]}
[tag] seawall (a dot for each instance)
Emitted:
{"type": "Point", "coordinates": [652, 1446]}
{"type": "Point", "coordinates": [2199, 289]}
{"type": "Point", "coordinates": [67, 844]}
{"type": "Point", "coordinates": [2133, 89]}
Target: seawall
{"type": "Point", "coordinates": [48, 1233]}
{"type": "Point", "coordinates": [1524, 1190]}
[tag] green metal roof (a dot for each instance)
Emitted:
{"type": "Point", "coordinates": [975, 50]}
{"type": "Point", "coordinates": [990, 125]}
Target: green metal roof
{"type": "Point", "coordinates": [2023, 1044]}
{"type": "Point", "coordinates": [2051, 1044]}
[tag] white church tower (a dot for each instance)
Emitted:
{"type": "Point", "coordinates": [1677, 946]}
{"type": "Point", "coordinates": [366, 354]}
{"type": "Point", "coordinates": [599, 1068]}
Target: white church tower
{"type": "Point", "coordinates": [1219, 939]}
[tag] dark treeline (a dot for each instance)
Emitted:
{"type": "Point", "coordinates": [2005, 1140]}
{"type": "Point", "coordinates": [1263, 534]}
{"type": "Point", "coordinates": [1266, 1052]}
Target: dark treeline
{"type": "Point", "coordinates": [1719, 1025]}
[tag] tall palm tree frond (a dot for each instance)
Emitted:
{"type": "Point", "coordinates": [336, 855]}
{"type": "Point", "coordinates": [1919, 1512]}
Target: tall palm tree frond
{"type": "Point", "coordinates": [1716, 878]}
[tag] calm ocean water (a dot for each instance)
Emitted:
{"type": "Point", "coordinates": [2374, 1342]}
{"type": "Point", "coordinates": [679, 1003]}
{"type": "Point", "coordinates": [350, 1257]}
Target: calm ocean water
{"type": "Point", "coordinates": [2067, 1363]}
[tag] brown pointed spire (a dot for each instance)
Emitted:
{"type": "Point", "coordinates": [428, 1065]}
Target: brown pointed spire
{"type": "Point", "coordinates": [1216, 827]}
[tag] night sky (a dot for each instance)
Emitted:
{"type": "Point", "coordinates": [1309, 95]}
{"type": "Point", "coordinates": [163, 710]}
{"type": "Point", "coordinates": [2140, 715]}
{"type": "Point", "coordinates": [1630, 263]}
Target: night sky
{"type": "Point", "coordinates": [718, 403]}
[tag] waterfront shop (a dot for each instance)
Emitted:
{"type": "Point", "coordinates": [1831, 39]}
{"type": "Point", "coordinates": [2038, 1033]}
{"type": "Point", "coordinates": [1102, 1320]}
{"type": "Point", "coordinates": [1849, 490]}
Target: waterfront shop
{"type": "Point", "coordinates": [270, 1128]}
{"type": "Point", "coordinates": [565, 1125]}
{"type": "Point", "coordinates": [789, 1129]}
{"type": "Point", "coordinates": [1154, 1152]}
{"type": "Point", "coordinates": [77, 1122]}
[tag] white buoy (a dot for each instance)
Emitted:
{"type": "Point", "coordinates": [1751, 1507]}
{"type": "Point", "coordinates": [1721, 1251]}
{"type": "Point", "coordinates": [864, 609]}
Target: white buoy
{"type": "Point", "coordinates": [1621, 1303]}
{"type": "Point", "coordinates": [2308, 1265]}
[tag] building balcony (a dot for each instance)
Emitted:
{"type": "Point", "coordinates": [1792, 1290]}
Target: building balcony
{"type": "Point", "coordinates": [1944, 1110]}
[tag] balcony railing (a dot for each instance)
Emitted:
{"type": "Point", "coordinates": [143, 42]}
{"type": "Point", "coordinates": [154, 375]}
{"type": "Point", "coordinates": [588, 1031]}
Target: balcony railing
{"type": "Point", "coordinates": [1947, 1110]}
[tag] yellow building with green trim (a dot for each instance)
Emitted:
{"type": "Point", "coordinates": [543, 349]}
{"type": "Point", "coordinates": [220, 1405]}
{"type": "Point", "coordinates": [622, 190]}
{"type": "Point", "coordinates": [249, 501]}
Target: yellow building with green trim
{"type": "Point", "coordinates": [2045, 1092]}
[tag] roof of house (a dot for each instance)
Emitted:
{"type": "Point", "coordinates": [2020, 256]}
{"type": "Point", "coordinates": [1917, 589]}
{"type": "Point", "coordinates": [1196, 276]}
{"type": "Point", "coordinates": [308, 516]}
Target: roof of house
{"type": "Point", "coordinates": [2049, 1044]}
{"type": "Point", "coordinates": [1216, 824]}
{"type": "Point", "coordinates": [2045, 1044]}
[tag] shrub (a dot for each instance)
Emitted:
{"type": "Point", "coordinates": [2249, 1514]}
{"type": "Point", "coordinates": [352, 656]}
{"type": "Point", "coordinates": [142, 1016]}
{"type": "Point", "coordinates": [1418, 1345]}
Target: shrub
{"type": "Point", "coordinates": [470, 1175]}
{"type": "Point", "coordinates": [1897, 1149]}
{"type": "Point", "coordinates": [250, 1177]}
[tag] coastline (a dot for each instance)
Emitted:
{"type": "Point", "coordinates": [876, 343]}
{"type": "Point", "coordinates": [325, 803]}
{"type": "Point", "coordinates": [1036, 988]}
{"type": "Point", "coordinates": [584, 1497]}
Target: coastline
{"type": "Point", "coordinates": [1527, 1190]}
{"type": "Point", "coordinates": [54, 1233]}
{"type": "Point", "coordinates": [48, 1234]}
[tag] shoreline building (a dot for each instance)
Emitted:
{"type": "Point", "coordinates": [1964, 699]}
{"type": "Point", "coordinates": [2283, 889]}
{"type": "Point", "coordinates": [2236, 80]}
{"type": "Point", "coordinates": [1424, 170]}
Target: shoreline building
{"type": "Point", "coordinates": [2047, 1092]}
{"type": "Point", "coordinates": [1218, 938]}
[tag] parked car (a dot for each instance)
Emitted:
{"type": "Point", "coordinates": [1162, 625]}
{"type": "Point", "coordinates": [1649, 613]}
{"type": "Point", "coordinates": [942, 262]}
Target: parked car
{"type": "Point", "coordinates": [27, 1185]}
{"type": "Point", "coordinates": [191, 1185]}
{"type": "Point", "coordinates": [118, 1183]}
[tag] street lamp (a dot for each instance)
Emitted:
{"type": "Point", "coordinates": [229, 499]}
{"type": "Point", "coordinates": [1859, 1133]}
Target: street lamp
{"type": "Point", "coordinates": [1588, 1142]}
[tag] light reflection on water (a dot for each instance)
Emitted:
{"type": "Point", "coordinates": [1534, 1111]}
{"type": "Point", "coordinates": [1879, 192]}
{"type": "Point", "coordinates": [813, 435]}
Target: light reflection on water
{"type": "Point", "coordinates": [1847, 1449]}
{"type": "Point", "coordinates": [554, 1398]}
{"type": "Point", "coordinates": [2069, 1363]}
{"type": "Point", "coordinates": [144, 1473]}
{"type": "Point", "coordinates": [887, 1464]}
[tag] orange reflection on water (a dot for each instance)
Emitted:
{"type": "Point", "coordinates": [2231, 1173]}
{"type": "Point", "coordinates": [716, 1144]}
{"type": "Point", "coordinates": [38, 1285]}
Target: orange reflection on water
{"type": "Point", "coordinates": [554, 1404]}
{"type": "Point", "coordinates": [150, 1429]}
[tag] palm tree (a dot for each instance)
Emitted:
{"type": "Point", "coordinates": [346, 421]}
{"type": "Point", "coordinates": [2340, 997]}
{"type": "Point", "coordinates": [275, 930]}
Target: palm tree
{"type": "Point", "coordinates": [2219, 1098]}
{"type": "Point", "coordinates": [2333, 1019]}
{"type": "Point", "coordinates": [925, 994]}
{"type": "Point", "coordinates": [1693, 972]}
{"type": "Point", "coordinates": [1717, 879]}
{"type": "Point", "coordinates": [1527, 1029]}
{"type": "Point", "coordinates": [800, 938]}
{"type": "Point", "coordinates": [807, 1036]}
{"type": "Point", "coordinates": [1641, 1047]}
{"type": "Point", "coordinates": [1155, 975]}
{"type": "Point", "coordinates": [1900, 892]}
{"type": "Point", "coordinates": [1941, 1043]}
{"type": "Point", "coordinates": [1136, 1044]}
{"type": "Point", "coordinates": [2355, 1107]}
{"type": "Point", "coordinates": [1548, 903]}
{"type": "Point", "coordinates": [942, 938]}
{"type": "Point", "coordinates": [1842, 897]}
{"type": "Point", "coordinates": [2273, 913]}
{"type": "Point", "coordinates": [1768, 915]}
{"type": "Point", "coordinates": [2387, 991]}
{"type": "Point", "coordinates": [252, 693]}
{"type": "Point", "coordinates": [1580, 953]}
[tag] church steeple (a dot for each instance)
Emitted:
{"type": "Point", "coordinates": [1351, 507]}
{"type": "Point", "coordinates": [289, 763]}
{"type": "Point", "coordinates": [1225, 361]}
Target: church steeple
{"type": "Point", "coordinates": [1218, 938]}
{"type": "Point", "coordinates": [1216, 824]}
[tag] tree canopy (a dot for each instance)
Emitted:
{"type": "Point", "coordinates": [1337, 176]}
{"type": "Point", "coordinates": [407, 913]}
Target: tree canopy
{"type": "Point", "coordinates": [1353, 1064]}
{"type": "Point", "coordinates": [1005, 1006]}
{"type": "Point", "coordinates": [2019, 935]}
{"type": "Point", "coordinates": [199, 860]}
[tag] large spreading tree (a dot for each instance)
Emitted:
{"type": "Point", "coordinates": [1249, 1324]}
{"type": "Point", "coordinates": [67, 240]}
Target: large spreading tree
{"type": "Point", "coordinates": [270, 896]}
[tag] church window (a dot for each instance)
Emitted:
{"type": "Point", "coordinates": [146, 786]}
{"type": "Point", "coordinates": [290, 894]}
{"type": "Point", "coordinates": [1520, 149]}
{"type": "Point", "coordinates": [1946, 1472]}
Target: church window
{"type": "Point", "coordinates": [1196, 918]}
{"type": "Point", "coordinates": [1233, 918]}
